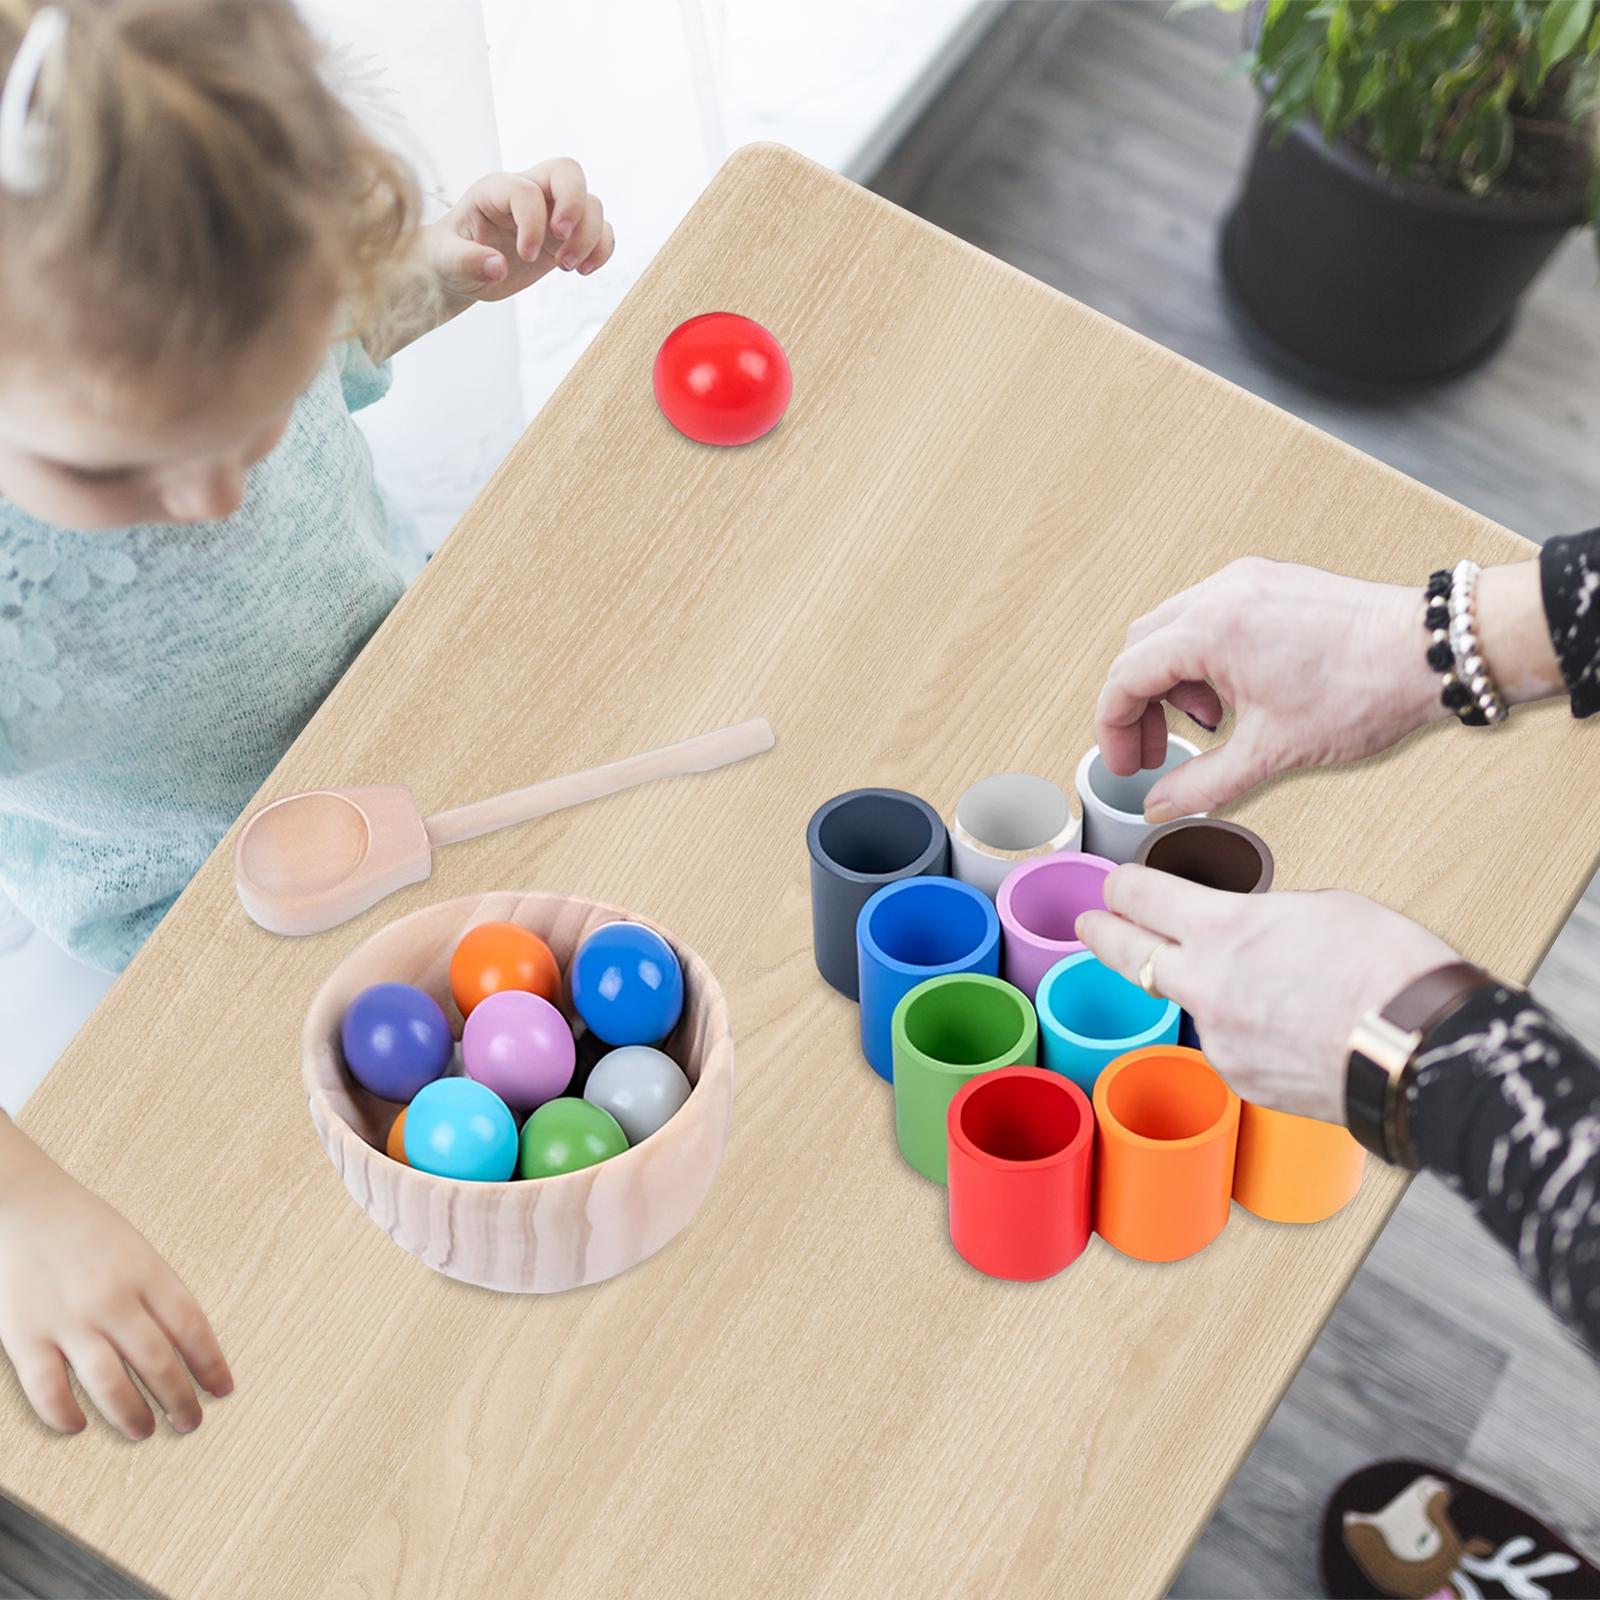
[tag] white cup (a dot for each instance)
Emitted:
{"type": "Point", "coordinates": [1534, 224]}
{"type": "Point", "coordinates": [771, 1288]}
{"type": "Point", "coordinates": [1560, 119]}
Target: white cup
{"type": "Point", "coordinates": [1113, 807]}
{"type": "Point", "coordinates": [1006, 819]}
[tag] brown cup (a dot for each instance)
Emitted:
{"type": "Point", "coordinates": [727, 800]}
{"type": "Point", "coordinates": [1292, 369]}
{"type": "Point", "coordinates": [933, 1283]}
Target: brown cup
{"type": "Point", "coordinates": [1220, 855]}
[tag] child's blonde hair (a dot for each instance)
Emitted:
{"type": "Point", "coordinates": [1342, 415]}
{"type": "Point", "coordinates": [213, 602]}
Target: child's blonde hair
{"type": "Point", "coordinates": [204, 179]}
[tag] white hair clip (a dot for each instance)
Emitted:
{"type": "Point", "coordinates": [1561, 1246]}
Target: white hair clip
{"type": "Point", "coordinates": [28, 142]}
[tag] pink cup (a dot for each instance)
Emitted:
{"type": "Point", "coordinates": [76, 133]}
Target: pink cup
{"type": "Point", "coordinates": [1039, 904]}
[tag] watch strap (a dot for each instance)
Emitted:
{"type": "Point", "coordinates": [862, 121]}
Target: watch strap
{"type": "Point", "coordinates": [1425, 1001]}
{"type": "Point", "coordinates": [1383, 1045]}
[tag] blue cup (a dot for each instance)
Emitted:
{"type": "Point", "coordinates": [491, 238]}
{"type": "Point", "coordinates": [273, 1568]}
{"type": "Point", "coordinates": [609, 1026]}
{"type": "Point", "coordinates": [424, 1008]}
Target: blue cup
{"type": "Point", "coordinates": [1090, 1015]}
{"type": "Point", "coordinates": [908, 932]}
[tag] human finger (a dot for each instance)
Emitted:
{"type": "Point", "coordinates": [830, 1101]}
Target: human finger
{"type": "Point", "coordinates": [1211, 779]}
{"type": "Point", "coordinates": [148, 1352]}
{"type": "Point", "coordinates": [179, 1316]}
{"type": "Point", "coordinates": [1167, 905]}
{"type": "Point", "coordinates": [1124, 946]}
{"type": "Point", "coordinates": [42, 1372]}
{"type": "Point", "coordinates": [601, 253]}
{"type": "Point", "coordinates": [1199, 702]}
{"type": "Point", "coordinates": [1142, 675]}
{"type": "Point", "coordinates": [584, 237]}
{"type": "Point", "coordinates": [106, 1381]}
{"type": "Point", "coordinates": [566, 189]}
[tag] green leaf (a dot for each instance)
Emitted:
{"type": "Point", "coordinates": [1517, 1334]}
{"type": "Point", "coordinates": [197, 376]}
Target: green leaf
{"type": "Point", "coordinates": [1529, 75]}
{"type": "Point", "coordinates": [1411, 19]}
{"type": "Point", "coordinates": [1560, 29]}
{"type": "Point", "coordinates": [1291, 91]}
{"type": "Point", "coordinates": [1370, 89]}
{"type": "Point", "coordinates": [1338, 27]}
{"type": "Point", "coordinates": [1283, 29]}
{"type": "Point", "coordinates": [1327, 94]}
{"type": "Point", "coordinates": [1592, 43]}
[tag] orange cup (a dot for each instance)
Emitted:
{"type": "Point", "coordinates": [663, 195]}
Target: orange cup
{"type": "Point", "coordinates": [1165, 1131]}
{"type": "Point", "coordinates": [1294, 1169]}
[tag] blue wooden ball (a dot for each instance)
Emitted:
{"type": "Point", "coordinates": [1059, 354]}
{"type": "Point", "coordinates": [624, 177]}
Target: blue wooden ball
{"type": "Point", "coordinates": [627, 984]}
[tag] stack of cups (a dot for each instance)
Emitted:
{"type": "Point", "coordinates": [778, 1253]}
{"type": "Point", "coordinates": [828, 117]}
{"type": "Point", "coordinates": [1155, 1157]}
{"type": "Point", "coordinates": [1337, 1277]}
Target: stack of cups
{"type": "Point", "coordinates": [996, 1027]}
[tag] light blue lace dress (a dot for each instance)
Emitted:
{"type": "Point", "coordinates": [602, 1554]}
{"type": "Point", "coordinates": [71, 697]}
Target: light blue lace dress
{"type": "Point", "coordinates": [151, 677]}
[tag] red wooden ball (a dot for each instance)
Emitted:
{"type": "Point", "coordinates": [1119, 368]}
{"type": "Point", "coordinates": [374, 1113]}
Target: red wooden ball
{"type": "Point", "coordinates": [722, 379]}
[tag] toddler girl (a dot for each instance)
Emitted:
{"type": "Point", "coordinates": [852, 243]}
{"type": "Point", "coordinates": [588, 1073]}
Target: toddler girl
{"type": "Point", "coordinates": [204, 262]}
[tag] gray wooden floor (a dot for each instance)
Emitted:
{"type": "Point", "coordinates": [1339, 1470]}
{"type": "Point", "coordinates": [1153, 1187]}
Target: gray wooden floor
{"type": "Point", "coordinates": [1096, 146]}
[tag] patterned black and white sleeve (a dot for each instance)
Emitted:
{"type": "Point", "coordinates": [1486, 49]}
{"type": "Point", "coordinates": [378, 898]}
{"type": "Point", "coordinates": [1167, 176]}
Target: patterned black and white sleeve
{"type": "Point", "coordinates": [1505, 1105]}
{"type": "Point", "coordinates": [1569, 578]}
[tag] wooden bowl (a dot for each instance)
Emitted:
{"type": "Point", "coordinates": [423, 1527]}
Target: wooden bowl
{"type": "Point", "coordinates": [533, 1236]}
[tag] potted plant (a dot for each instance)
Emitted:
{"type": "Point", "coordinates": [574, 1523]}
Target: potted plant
{"type": "Point", "coordinates": [1418, 162]}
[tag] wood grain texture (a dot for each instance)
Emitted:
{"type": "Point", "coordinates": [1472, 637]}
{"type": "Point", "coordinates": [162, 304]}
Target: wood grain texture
{"type": "Point", "coordinates": [532, 1237]}
{"type": "Point", "coordinates": [919, 577]}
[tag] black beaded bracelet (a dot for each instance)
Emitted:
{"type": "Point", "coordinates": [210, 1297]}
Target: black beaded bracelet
{"type": "Point", "coordinates": [1450, 620]}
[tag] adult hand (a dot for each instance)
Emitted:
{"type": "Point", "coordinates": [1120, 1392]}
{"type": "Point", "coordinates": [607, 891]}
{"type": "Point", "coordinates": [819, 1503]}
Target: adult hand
{"type": "Point", "coordinates": [1317, 668]}
{"type": "Point", "coordinates": [80, 1287]}
{"type": "Point", "coordinates": [1275, 982]}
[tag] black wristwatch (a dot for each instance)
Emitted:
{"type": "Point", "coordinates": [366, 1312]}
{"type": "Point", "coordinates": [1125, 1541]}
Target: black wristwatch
{"type": "Point", "coordinates": [1381, 1047]}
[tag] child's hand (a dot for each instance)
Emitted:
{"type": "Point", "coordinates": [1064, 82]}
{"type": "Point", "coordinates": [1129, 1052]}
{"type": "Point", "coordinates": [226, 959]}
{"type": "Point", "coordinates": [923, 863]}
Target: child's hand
{"type": "Point", "coordinates": [80, 1287]}
{"type": "Point", "coordinates": [509, 229]}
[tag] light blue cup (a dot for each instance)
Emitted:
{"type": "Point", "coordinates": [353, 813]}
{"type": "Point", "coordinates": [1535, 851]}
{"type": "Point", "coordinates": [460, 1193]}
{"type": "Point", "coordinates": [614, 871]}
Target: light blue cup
{"type": "Point", "coordinates": [912, 930]}
{"type": "Point", "coordinates": [1090, 1015]}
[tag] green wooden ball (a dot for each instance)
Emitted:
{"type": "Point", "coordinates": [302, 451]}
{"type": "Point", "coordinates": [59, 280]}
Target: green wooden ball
{"type": "Point", "coordinates": [567, 1134]}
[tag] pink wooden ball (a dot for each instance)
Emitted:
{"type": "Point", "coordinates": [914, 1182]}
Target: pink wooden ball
{"type": "Point", "coordinates": [519, 1045]}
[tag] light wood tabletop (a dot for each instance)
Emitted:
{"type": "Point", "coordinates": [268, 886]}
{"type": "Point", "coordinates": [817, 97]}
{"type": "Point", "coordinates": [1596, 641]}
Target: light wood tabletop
{"type": "Point", "coordinates": [919, 578]}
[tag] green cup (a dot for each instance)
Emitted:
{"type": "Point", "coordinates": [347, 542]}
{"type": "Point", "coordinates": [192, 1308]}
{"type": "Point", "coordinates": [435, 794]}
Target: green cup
{"type": "Point", "coordinates": [946, 1031]}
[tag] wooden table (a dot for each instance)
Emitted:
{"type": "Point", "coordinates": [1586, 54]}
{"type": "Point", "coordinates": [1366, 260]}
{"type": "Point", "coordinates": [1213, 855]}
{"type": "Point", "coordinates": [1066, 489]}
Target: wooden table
{"type": "Point", "coordinates": [920, 579]}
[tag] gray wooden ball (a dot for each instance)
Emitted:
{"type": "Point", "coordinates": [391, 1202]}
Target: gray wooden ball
{"type": "Point", "coordinates": [640, 1086]}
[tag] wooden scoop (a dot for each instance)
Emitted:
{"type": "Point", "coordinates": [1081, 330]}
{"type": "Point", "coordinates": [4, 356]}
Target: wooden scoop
{"type": "Point", "coordinates": [311, 861]}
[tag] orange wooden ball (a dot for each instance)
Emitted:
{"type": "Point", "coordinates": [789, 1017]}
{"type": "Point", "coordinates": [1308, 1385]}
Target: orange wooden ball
{"type": "Point", "coordinates": [395, 1145]}
{"type": "Point", "coordinates": [500, 955]}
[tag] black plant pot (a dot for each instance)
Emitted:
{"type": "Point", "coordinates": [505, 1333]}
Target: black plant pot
{"type": "Point", "coordinates": [1351, 279]}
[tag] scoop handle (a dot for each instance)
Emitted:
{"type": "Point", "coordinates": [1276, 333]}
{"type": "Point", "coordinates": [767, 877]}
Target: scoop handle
{"type": "Point", "coordinates": [704, 753]}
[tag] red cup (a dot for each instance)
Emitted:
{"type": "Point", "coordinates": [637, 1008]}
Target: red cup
{"type": "Point", "coordinates": [1021, 1143]}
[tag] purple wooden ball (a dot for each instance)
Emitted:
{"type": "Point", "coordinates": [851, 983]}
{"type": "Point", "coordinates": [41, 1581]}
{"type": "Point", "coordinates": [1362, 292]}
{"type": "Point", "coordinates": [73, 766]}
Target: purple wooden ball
{"type": "Point", "coordinates": [395, 1040]}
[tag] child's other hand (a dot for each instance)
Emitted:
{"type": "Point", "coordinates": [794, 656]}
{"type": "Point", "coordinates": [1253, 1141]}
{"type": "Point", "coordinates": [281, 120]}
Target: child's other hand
{"type": "Point", "coordinates": [510, 229]}
{"type": "Point", "coordinates": [80, 1287]}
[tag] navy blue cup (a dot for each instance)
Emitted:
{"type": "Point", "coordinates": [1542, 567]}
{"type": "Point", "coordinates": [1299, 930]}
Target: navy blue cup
{"type": "Point", "coordinates": [908, 932]}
